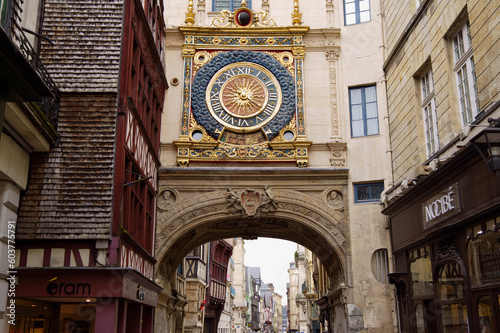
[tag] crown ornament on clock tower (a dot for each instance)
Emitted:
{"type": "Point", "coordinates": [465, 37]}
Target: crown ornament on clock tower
{"type": "Point", "coordinates": [243, 96]}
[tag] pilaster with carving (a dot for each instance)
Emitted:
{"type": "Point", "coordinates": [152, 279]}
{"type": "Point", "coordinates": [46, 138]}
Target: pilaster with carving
{"type": "Point", "coordinates": [332, 55]}
{"type": "Point", "coordinates": [329, 12]}
{"type": "Point", "coordinates": [201, 12]}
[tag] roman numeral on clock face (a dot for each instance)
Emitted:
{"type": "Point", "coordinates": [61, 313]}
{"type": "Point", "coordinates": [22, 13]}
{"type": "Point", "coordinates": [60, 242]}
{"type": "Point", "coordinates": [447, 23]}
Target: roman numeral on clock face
{"type": "Point", "coordinates": [242, 122]}
{"type": "Point", "coordinates": [214, 94]}
{"type": "Point", "coordinates": [268, 83]}
{"type": "Point", "coordinates": [244, 70]}
{"type": "Point", "coordinates": [227, 118]}
{"type": "Point", "coordinates": [269, 109]}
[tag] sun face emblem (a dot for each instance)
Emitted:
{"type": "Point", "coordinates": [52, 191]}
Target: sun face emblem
{"type": "Point", "coordinates": [243, 96]}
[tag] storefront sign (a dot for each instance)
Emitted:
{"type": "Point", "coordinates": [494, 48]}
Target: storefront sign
{"type": "Point", "coordinates": [441, 206]}
{"type": "Point", "coordinates": [68, 288]}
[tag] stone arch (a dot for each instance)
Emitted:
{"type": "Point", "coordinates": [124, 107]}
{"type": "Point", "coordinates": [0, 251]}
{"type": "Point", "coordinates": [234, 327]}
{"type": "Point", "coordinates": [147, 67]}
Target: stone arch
{"type": "Point", "coordinates": [296, 217]}
{"type": "Point", "coordinates": [309, 207]}
{"type": "Point", "coordinates": [312, 214]}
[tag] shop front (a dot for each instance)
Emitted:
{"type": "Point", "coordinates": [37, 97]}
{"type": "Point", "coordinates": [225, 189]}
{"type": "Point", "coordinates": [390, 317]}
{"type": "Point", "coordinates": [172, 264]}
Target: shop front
{"type": "Point", "coordinates": [445, 234]}
{"type": "Point", "coordinates": [86, 300]}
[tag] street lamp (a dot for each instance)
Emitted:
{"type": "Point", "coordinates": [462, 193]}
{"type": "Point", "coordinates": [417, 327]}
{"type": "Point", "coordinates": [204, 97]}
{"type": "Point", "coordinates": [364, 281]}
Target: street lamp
{"type": "Point", "coordinates": [491, 137]}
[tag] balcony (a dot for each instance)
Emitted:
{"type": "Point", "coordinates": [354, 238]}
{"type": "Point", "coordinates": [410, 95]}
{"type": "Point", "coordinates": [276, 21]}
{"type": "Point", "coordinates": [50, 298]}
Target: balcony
{"type": "Point", "coordinates": [27, 81]}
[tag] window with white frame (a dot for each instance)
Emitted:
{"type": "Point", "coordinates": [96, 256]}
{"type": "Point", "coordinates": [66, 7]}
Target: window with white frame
{"type": "Point", "coordinates": [465, 74]}
{"type": "Point", "coordinates": [356, 11]}
{"type": "Point", "coordinates": [364, 113]}
{"type": "Point", "coordinates": [218, 5]}
{"type": "Point", "coordinates": [429, 113]}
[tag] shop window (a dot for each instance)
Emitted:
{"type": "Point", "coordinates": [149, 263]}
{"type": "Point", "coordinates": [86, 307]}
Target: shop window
{"type": "Point", "coordinates": [380, 265]}
{"type": "Point", "coordinates": [483, 250]}
{"type": "Point", "coordinates": [451, 295]}
{"type": "Point", "coordinates": [368, 192]}
{"type": "Point", "coordinates": [485, 312]}
{"type": "Point", "coordinates": [419, 318]}
{"type": "Point", "coordinates": [421, 272]}
{"type": "Point", "coordinates": [30, 325]}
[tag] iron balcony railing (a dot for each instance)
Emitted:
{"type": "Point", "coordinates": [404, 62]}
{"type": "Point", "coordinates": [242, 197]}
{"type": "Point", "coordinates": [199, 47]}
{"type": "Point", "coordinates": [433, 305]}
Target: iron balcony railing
{"type": "Point", "coordinates": [49, 105]}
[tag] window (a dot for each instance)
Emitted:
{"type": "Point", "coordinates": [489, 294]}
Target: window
{"type": "Point", "coordinates": [368, 192]}
{"type": "Point", "coordinates": [429, 113]}
{"type": "Point", "coordinates": [466, 74]}
{"type": "Point", "coordinates": [380, 265]}
{"type": "Point", "coordinates": [421, 272]}
{"type": "Point", "coordinates": [356, 11]}
{"type": "Point", "coordinates": [218, 5]}
{"type": "Point", "coordinates": [483, 249]}
{"type": "Point", "coordinates": [364, 114]}
{"type": "Point", "coordinates": [452, 297]}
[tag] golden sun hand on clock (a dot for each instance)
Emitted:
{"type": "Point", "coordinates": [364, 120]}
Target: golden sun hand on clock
{"type": "Point", "coordinates": [243, 96]}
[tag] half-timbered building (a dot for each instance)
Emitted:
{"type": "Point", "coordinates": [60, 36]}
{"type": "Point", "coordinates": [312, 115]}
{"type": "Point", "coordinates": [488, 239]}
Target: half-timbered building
{"type": "Point", "coordinates": [86, 225]}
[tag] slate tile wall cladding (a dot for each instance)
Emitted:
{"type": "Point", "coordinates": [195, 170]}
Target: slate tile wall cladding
{"type": "Point", "coordinates": [70, 191]}
{"type": "Point", "coordinates": [87, 37]}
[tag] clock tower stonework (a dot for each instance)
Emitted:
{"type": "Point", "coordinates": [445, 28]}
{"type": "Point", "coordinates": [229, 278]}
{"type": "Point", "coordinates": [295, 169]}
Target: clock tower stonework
{"type": "Point", "coordinates": [256, 142]}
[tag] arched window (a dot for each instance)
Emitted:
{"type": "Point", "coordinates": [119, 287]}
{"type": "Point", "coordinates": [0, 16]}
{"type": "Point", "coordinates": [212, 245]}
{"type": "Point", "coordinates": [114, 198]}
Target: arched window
{"type": "Point", "coordinates": [380, 265]}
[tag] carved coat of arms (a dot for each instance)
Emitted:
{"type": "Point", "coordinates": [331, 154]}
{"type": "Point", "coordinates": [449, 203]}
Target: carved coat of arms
{"type": "Point", "coordinates": [250, 202]}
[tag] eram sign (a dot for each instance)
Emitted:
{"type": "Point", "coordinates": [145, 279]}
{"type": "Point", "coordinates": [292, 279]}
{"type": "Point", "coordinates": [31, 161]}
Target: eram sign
{"type": "Point", "coordinates": [441, 206]}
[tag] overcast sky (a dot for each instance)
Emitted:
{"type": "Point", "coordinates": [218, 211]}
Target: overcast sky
{"type": "Point", "coordinates": [273, 256]}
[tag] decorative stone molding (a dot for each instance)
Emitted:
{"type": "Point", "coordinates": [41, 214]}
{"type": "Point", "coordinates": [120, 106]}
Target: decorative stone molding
{"type": "Point", "coordinates": [338, 151]}
{"type": "Point", "coordinates": [167, 198]}
{"type": "Point", "coordinates": [335, 199]}
{"type": "Point", "coordinates": [201, 12]}
{"type": "Point", "coordinates": [329, 12]}
{"type": "Point", "coordinates": [249, 202]}
{"type": "Point", "coordinates": [332, 55]}
{"type": "Point", "coordinates": [265, 5]}
{"type": "Point", "coordinates": [231, 202]}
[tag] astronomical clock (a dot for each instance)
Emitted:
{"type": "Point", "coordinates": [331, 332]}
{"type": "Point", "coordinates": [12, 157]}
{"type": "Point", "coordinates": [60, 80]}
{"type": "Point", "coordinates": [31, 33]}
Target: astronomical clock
{"type": "Point", "coordinates": [243, 91]}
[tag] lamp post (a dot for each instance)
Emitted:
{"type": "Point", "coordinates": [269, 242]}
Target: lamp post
{"type": "Point", "coordinates": [490, 137]}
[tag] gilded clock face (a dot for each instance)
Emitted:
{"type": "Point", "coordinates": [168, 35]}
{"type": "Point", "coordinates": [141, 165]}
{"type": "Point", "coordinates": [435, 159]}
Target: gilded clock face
{"type": "Point", "coordinates": [241, 93]}
{"type": "Point", "coordinates": [243, 96]}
